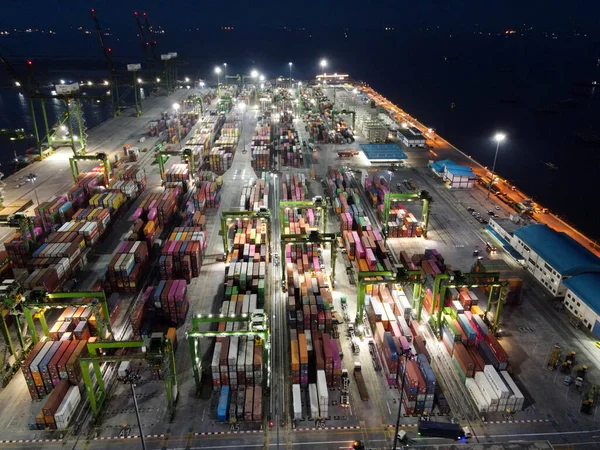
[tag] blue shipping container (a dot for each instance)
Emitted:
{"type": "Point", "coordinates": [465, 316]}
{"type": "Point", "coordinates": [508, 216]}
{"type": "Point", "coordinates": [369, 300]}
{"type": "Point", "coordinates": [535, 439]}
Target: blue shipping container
{"type": "Point", "coordinates": [467, 328]}
{"type": "Point", "coordinates": [223, 404]}
{"type": "Point", "coordinates": [480, 324]}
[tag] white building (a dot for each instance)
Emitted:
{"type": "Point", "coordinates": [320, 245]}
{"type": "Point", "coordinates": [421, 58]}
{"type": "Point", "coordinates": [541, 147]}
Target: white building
{"type": "Point", "coordinates": [455, 175]}
{"type": "Point", "coordinates": [411, 137]}
{"type": "Point", "coordinates": [565, 268]}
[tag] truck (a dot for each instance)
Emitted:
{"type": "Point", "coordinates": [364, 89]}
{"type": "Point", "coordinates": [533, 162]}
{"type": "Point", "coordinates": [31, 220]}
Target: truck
{"type": "Point", "coordinates": [360, 382]}
{"type": "Point", "coordinates": [429, 428]}
{"type": "Point", "coordinates": [297, 401]}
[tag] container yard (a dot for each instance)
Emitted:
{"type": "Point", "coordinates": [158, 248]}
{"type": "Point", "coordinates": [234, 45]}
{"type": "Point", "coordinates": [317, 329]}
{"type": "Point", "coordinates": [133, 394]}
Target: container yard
{"type": "Point", "coordinates": [126, 273]}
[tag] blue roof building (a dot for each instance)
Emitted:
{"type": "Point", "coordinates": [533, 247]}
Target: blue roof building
{"type": "Point", "coordinates": [455, 175]}
{"type": "Point", "coordinates": [565, 268]}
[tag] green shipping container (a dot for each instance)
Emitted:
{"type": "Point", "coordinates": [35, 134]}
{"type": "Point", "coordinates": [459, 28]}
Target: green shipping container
{"type": "Point", "coordinates": [462, 376]}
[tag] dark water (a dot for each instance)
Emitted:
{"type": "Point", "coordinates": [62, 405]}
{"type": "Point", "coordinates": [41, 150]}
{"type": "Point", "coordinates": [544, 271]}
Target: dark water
{"type": "Point", "coordinates": [424, 72]}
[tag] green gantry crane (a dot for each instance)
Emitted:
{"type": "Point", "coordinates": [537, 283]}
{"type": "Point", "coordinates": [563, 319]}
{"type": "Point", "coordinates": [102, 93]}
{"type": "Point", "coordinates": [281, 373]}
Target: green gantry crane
{"type": "Point", "coordinates": [316, 203]}
{"type": "Point", "coordinates": [403, 277]}
{"type": "Point", "coordinates": [444, 281]}
{"type": "Point", "coordinates": [162, 157]}
{"type": "Point", "coordinates": [263, 214]}
{"type": "Point", "coordinates": [312, 238]}
{"type": "Point", "coordinates": [103, 157]}
{"type": "Point", "coordinates": [423, 196]}
{"type": "Point", "coordinates": [194, 335]}
{"type": "Point", "coordinates": [157, 350]}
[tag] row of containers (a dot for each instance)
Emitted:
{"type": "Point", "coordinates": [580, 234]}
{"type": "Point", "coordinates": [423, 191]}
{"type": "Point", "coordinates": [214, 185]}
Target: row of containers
{"type": "Point", "coordinates": [255, 194]}
{"type": "Point", "coordinates": [167, 303]}
{"type": "Point", "coordinates": [289, 144]}
{"type": "Point", "coordinates": [237, 361]}
{"type": "Point", "coordinates": [77, 230]}
{"type": "Point", "coordinates": [294, 187]}
{"type": "Point", "coordinates": [389, 312]}
{"type": "Point", "coordinates": [208, 191]}
{"type": "Point", "coordinates": [205, 133]}
{"type": "Point", "coordinates": [223, 150]}
{"type": "Point", "coordinates": [316, 397]}
{"type": "Point", "coordinates": [260, 145]}
{"type": "Point", "coordinates": [316, 363]}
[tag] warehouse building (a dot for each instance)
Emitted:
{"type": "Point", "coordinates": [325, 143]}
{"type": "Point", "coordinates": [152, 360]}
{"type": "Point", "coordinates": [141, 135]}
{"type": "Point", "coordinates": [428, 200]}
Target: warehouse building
{"type": "Point", "coordinates": [455, 175]}
{"type": "Point", "coordinates": [565, 268]}
{"type": "Point", "coordinates": [411, 137]}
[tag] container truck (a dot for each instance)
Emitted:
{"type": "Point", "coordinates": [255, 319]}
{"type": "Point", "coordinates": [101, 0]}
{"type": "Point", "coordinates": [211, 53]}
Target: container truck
{"type": "Point", "coordinates": [360, 382]}
{"type": "Point", "coordinates": [429, 428]}
{"type": "Point", "coordinates": [314, 402]}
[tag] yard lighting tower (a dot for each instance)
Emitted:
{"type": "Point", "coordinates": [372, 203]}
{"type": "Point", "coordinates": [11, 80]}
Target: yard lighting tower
{"type": "Point", "coordinates": [290, 64]}
{"type": "Point", "coordinates": [218, 72]}
{"type": "Point", "coordinates": [176, 108]}
{"type": "Point", "coordinates": [225, 65]}
{"type": "Point", "coordinates": [323, 65]}
{"type": "Point", "coordinates": [498, 137]}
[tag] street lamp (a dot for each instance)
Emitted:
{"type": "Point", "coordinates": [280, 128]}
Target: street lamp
{"type": "Point", "coordinates": [17, 84]}
{"type": "Point", "coordinates": [225, 65]}
{"type": "Point", "coordinates": [254, 73]}
{"type": "Point", "coordinates": [261, 78]}
{"type": "Point", "coordinates": [130, 378]}
{"type": "Point", "coordinates": [33, 177]}
{"type": "Point", "coordinates": [323, 65]}
{"type": "Point", "coordinates": [158, 80]}
{"type": "Point", "coordinates": [201, 84]}
{"type": "Point", "coordinates": [218, 72]}
{"type": "Point", "coordinates": [139, 80]}
{"type": "Point", "coordinates": [176, 108]}
{"type": "Point", "coordinates": [498, 137]}
{"type": "Point", "coordinates": [290, 64]}
{"type": "Point", "coordinates": [187, 80]}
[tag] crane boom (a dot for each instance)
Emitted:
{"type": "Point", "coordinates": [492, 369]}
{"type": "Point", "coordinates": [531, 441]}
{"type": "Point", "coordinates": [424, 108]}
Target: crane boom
{"type": "Point", "coordinates": [152, 40]}
{"type": "Point", "coordinates": [145, 43]}
{"type": "Point", "coordinates": [105, 50]}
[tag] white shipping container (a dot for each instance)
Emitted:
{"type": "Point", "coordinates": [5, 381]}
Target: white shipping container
{"type": "Point", "coordinates": [67, 408]}
{"type": "Point", "coordinates": [323, 393]}
{"type": "Point", "coordinates": [314, 402]}
{"type": "Point", "coordinates": [496, 381]}
{"type": "Point", "coordinates": [486, 388]}
{"type": "Point", "coordinates": [519, 398]}
{"type": "Point", "coordinates": [214, 366]}
{"type": "Point", "coordinates": [476, 395]}
{"type": "Point", "coordinates": [297, 397]}
{"type": "Point", "coordinates": [233, 351]}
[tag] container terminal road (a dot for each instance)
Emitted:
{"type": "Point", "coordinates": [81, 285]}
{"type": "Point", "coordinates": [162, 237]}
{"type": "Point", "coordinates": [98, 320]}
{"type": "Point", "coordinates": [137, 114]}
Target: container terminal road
{"type": "Point", "coordinates": [274, 264]}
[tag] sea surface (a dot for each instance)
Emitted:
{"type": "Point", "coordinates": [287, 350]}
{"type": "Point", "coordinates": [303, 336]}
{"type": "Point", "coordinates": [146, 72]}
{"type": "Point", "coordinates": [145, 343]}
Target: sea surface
{"type": "Point", "coordinates": [468, 85]}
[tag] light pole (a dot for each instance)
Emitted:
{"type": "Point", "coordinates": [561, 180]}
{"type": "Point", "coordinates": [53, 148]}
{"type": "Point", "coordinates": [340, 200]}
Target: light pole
{"type": "Point", "coordinates": [225, 65]}
{"type": "Point", "coordinates": [323, 65]}
{"type": "Point", "coordinates": [254, 75]}
{"type": "Point", "coordinates": [498, 137]}
{"type": "Point", "coordinates": [33, 177]}
{"type": "Point", "coordinates": [176, 108]}
{"type": "Point", "coordinates": [218, 72]}
{"type": "Point", "coordinates": [407, 355]}
{"type": "Point", "coordinates": [130, 378]}
{"type": "Point", "coordinates": [290, 64]}
{"type": "Point", "coordinates": [354, 92]}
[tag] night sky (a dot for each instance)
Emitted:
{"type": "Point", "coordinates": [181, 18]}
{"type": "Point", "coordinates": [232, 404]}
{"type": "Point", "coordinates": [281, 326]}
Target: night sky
{"type": "Point", "coordinates": [317, 14]}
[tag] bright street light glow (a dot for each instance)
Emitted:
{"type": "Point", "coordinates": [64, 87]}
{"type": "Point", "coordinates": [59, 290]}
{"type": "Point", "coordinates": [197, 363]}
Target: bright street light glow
{"type": "Point", "coordinates": [499, 137]}
{"type": "Point", "coordinates": [17, 84]}
{"type": "Point", "coordinates": [175, 106]}
{"type": "Point", "coordinates": [225, 64]}
{"type": "Point", "coordinates": [202, 84]}
{"type": "Point", "coordinates": [355, 91]}
{"type": "Point", "coordinates": [105, 82]}
{"type": "Point", "coordinates": [254, 74]}
{"type": "Point", "coordinates": [158, 80]}
{"type": "Point", "coordinates": [63, 128]}
{"type": "Point", "coordinates": [299, 83]}
{"type": "Point", "coordinates": [90, 83]}
{"type": "Point", "coordinates": [323, 63]}
{"type": "Point", "coordinates": [262, 78]}
{"type": "Point", "coordinates": [242, 106]}
{"type": "Point", "coordinates": [139, 80]}
{"type": "Point", "coordinates": [290, 64]}
{"type": "Point", "coordinates": [62, 81]}
{"type": "Point", "coordinates": [217, 70]}
{"type": "Point", "coordinates": [187, 80]}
